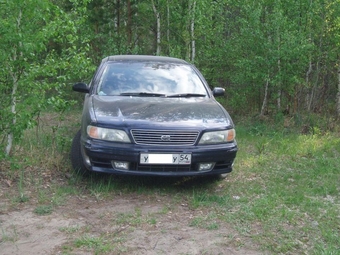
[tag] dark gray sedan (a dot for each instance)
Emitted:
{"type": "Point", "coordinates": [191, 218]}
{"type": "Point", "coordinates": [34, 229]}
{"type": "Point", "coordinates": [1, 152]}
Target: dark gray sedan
{"type": "Point", "coordinates": [148, 115]}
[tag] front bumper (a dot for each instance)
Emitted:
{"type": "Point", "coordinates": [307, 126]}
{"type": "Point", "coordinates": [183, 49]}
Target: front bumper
{"type": "Point", "coordinates": [99, 155]}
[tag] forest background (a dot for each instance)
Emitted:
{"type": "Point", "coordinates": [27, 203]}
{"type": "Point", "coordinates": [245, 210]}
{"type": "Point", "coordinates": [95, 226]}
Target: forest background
{"type": "Point", "coordinates": [274, 58]}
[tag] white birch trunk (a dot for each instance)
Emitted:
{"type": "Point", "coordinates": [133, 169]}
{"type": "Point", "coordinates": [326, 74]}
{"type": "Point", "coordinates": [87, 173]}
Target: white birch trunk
{"type": "Point", "coordinates": [158, 18]}
{"type": "Point", "coordinates": [265, 99]}
{"type": "Point", "coordinates": [168, 25]}
{"type": "Point", "coordinates": [338, 94]}
{"type": "Point", "coordinates": [10, 136]}
{"type": "Point", "coordinates": [317, 72]}
{"type": "Point", "coordinates": [279, 92]}
{"type": "Point", "coordinates": [192, 32]}
{"type": "Point", "coordinates": [279, 95]}
{"type": "Point", "coordinates": [309, 71]}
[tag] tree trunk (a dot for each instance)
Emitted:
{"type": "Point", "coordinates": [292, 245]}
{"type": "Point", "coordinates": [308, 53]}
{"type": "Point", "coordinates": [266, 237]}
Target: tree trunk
{"type": "Point", "coordinates": [278, 101]}
{"type": "Point", "coordinates": [168, 25]}
{"type": "Point", "coordinates": [129, 24]}
{"type": "Point", "coordinates": [117, 16]}
{"type": "Point", "coordinates": [313, 90]}
{"type": "Point", "coordinates": [265, 99]}
{"type": "Point", "coordinates": [309, 71]}
{"type": "Point", "coordinates": [192, 31]}
{"type": "Point", "coordinates": [158, 35]}
{"type": "Point", "coordinates": [279, 92]}
{"type": "Point", "coordinates": [338, 94]}
{"type": "Point", "coordinates": [10, 136]}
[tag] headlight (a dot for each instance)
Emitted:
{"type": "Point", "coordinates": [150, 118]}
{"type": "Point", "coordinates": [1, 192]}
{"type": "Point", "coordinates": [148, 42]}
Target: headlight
{"type": "Point", "coordinates": [223, 136]}
{"type": "Point", "coordinates": [107, 134]}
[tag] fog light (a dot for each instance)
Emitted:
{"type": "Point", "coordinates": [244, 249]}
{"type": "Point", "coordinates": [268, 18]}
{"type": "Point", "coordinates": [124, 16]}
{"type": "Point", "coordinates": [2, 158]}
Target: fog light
{"type": "Point", "coordinates": [121, 165]}
{"type": "Point", "coordinates": [205, 166]}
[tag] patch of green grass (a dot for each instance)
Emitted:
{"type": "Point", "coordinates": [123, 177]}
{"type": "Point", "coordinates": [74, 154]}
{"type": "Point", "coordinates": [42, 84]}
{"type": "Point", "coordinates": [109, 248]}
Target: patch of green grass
{"type": "Point", "coordinates": [96, 244]}
{"type": "Point", "coordinates": [131, 219]}
{"type": "Point", "coordinates": [206, 198]}
{"type": "Point", "coordinates": [152, 221]}
{"type": "Point", "coordinates": [21, 198]}
{"type": "Point", "coordinates": [61, 193]}
{"type": "Point", "coordinates": [70, 229]}
{"type": "Point", "coordinates": [67, 249]}
{"type": "Point", "coordinates": [11, 236]}
{"type": "Point", "coordinates": [43, 209]}
{"type": "Point", "coordinates": [289, 193]}
{"type": "Point", "coordinates": [283, 192]}
{"type": "Point", "coordinates": [208, 221]}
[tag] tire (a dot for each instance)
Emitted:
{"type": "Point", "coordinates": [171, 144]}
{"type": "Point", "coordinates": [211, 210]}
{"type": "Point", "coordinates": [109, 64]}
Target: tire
{"type": "Point", "coordinates": [76, 156]}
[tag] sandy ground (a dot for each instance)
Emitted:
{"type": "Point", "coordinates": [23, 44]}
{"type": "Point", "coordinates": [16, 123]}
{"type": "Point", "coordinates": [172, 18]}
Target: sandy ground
{"type": "Point", "coordinates": [125, 224]}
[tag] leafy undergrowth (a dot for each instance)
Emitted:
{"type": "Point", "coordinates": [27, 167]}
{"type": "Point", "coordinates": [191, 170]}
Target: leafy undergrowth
{"type": "Point", "coordinates": [283, 193]}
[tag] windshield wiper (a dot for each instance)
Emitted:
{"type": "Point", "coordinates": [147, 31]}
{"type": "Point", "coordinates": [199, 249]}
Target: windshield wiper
{"type": "Point", "coordinates": [149, 94]}
{"type": "Point", "coordinates": [142, 94]}
{"type": "Point", "coordinates": [187, 95]}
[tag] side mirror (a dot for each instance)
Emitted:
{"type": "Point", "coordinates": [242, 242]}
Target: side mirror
{"type": "Point", "coordinates": [218, 91]}
{"type": "Point", "coordinates": [81, 87]}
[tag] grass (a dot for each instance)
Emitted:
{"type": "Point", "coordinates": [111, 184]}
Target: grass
{"type": "Point", "coordinates": [283, 193]}
{"type": "Point", "coordinates": [97, 244]}
{"type": "Point", "coordinates": [287, 187]}
{"type": "Point", "coordinates": [43, 209]}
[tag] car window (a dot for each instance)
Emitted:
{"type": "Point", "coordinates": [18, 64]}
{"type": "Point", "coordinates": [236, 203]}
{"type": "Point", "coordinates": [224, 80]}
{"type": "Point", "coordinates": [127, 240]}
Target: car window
{"type": "Point", "coordinates": [140, 77]}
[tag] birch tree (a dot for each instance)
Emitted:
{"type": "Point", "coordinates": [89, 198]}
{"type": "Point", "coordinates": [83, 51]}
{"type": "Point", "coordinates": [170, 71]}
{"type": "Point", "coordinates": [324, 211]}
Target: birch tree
{"type": "Point", "coordinates": [333, 27]}
{"type": "Point", "coordinates": [30, 66]}
{"type": "Point", "coordinates": [156, 11]}
{"type": "Point", "coordinates": [338, 94]}
{"type": "Point", "coordinates": [192, 8]}
{"type": "Point", "coordinates": [21, 41]}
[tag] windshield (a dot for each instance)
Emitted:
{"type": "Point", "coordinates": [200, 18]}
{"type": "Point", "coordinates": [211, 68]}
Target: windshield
{"type": "Point", "coordinates": [150, 79]}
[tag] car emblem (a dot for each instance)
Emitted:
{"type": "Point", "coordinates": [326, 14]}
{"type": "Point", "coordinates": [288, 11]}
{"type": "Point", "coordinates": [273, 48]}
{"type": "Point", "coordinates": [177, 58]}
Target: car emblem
{"type": "Point", "coordinates": [165, 138]}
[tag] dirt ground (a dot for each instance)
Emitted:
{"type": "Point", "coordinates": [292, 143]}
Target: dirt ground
{"type": "Point", "coordinates": [124, 224]}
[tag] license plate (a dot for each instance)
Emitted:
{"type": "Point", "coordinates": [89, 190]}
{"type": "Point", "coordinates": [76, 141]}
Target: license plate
{"type": "Point", "coordinates": [173, 159]}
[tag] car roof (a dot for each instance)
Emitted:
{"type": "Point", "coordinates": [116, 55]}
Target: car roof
{"type": "Point", "coordinates": [144, 58]}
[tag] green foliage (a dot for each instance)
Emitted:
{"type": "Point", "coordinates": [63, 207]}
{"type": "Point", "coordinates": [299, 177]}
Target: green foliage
{"type": "Point", "coordinates": [41, 57]}
{"type": "Point", "coordinates": [45, 46]}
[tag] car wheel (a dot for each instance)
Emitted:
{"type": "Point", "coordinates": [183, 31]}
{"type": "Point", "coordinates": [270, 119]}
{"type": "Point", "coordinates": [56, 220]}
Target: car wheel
{"type": "Point", "coordinates": [76, 156]}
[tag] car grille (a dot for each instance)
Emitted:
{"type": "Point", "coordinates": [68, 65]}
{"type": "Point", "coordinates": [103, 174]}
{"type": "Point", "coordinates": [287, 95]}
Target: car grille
{"type": "Point", "coordinates": [164, 137]}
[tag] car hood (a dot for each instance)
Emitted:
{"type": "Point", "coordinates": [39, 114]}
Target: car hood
{"type": "Point", "coordinates": [159, 111]}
